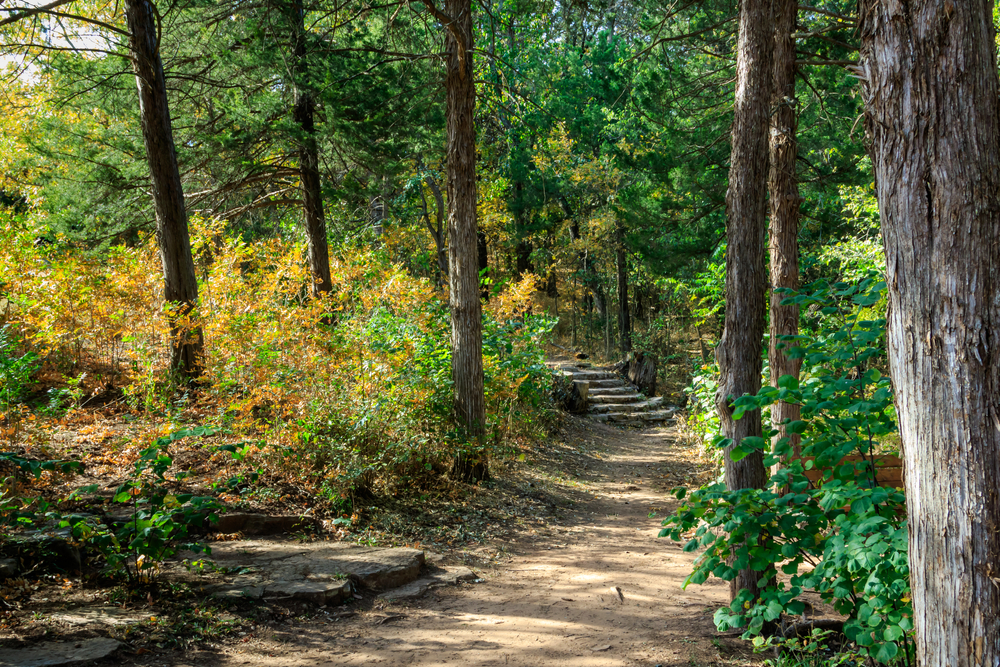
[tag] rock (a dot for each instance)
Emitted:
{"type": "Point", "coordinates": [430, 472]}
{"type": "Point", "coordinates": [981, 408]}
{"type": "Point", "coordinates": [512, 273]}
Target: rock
{"type": "Point", "coordinates": [570, 393]}
{"type": "Point", "coordinates": [321, 573]}
{"type": "Point", "coordinates": [54, 548]}
{"type": "Point", "coordinates": [444, 577]}
{"type": "Point", "coordinates": [8, 568]}
{"type": "Point", "coordinates": [315, 592]}
{"type": "Point", "coordinates": [51, 654]}
{"type": "Point", "coordinates": [261, 524]}
{"type": "Point", "coordinates": [110, 616]}
{"type": "Point", "coordinates": [385, 568]}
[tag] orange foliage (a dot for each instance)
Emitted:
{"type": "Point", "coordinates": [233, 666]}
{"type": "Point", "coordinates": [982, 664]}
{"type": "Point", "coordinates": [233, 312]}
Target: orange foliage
{"type": "Point", "coordinates": [366, 400]}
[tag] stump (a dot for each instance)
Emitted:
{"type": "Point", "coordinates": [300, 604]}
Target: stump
{"type": "Point", "coordinates": [639, 368]}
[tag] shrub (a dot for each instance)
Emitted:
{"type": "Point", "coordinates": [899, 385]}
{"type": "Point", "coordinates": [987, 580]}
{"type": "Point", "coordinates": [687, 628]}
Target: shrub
{"type": "Point", "coordinates": [16, 369]}
{"type": "Point", "coordinates": [362, 402]}
{"type": "Point", "coordinates": [845, 537]}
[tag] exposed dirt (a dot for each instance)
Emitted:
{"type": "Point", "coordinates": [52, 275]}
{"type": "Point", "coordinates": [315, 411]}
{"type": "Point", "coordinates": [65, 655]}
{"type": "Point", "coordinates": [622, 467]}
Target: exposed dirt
{"type": "Point", "coordinates": [591, 585]}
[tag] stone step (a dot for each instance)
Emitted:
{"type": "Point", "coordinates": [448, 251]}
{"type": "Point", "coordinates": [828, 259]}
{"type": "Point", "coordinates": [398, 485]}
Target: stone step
{"type": "Point", "coordinates": [610, 391]}
{"type": "Point", "coordinates": [640, 406]}
{"type": "Point", "coordinates": [610, 383]}
{"type": "Point", "coordinates": [616, 399]}
{"type": "Point", "coordinates": [619, 419]}
{"type": "Point", "coordinates": [659, 415]}
{"type": "Point", "coordinates": [590, 375]}
{"type": "Point", "coordinates": [317, 572]}
{"type": "Point", "coordinates": [635, 418]}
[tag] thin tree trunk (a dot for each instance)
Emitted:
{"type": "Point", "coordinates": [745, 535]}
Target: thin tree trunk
{"type": "Point", "coordinates": [304, 111]}
{"type": "Point", "coordinates": [482, 252]}
{"type": "Point", "coordinates": [739, 350]}
{"type": "Point", "coordinates": [929, 77]}
{"type": "Point", "coordinates": [783, 190]}
{"type": "Point", "coordinates": [180, 282]}
{"type": "Point", "coordinates": [438, 231]}
{"type": "Point", "coordinates": [624, 317]}
{"type": "Point", "coordinates": [466, 308]}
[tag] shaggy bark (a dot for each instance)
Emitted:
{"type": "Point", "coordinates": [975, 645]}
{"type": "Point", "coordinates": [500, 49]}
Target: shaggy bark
{"type": "Point", "coordinates": [483, 254]}
{"type": "Point", "coordinates": [929, 77]}
{"type": "Point", "coordinates": [624, 316]}
{"type": "Point", "coordinates": [304, 111]}
{"type": "Point", "coordinates": [180, 288]}
{"type": "Point", "coordinates": [463, 255]}
{"type": "Point", "coordinates": [739, 350]}
{"type": "Point", "coordinates": [783, 191]}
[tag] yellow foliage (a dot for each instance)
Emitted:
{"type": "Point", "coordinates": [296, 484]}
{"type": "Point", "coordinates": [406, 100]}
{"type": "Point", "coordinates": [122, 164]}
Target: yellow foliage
{"type": "Point", "coordinates": [336, 404]}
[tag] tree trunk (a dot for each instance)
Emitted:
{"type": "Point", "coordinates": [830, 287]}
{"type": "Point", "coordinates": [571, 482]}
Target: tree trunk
{"type": "Point", "coordinates": [482, 252]}
{"type": "Point", "coordinates": [783, 190]}
{"type": "Point", "coordinates": [180, 282]}
{"type": "Point", "coordinates": [739, 350]}
{"type": "Point", "coordinates": [437, 230]}
{"type": "Point", "coordinates": [930, 83]}
{"type": "Point", "coordinates": [466, 309]}
{"type": "Point", "coordinates": [523, 258]}
{"type": "Point", "coordinates": [588, 273]}
{"type": "Point", "coordinates": [308, 154]}
{"type": "Point", "coordinates": [624, 317]}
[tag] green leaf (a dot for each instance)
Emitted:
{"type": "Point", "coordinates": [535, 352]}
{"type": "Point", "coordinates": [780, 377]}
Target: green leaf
{"type": "Point", "coordinates": [788, 382]}
{"type": "Point", "coordinates": [737, 454]}
{"type": "Point", "coordinates": [886, 652]}
{"type": "Point", "coordinates": [797, 426]}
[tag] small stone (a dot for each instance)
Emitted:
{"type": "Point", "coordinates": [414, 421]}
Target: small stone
{"type": "Point", "coordinates": [8, 568]}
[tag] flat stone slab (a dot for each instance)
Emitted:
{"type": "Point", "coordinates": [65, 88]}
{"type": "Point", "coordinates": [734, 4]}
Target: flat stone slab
{"type": "Point", "coordinates": [449, 576]}
{"type": "Point", "coordinates": [51, 654]}
{"type": "Point", "coordinates": [319, 572]}
{"type": "Point", "coordinates": [639, 406]}
{"type": "Point", "coordinates": [110, 616]}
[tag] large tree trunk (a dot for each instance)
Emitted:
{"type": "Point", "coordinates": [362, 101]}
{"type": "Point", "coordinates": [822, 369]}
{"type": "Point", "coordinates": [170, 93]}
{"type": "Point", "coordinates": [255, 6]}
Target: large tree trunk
{"type": "Point", "coordinates": [308, 154]}
{"type": "Point", "coordinates": [783, 190]}
{"type": "Point", "coordinates": [739, 350]}
{"type": "Point", "coordinates": [180, 282]}
{"type": "Point", "coordinates": [466, 309]}
{"type": "Point", "coordinates": [929, 75]}
{"type": "Point", "coordinates": [624, 316]}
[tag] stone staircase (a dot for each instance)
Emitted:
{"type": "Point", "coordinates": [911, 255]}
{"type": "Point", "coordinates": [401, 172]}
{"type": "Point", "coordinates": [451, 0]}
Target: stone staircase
{"type": "Point", "coordinates": [612, 400]}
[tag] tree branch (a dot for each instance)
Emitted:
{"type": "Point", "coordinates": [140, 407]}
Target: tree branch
{"type": "Point", "coordinates": [31, 11]}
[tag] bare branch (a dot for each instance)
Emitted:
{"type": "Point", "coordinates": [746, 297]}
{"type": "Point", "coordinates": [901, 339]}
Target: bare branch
{"type": "Point", "coordinates": [31, 11]}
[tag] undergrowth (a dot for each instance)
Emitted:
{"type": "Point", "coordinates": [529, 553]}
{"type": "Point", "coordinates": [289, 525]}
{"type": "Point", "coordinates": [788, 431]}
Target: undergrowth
{"type": "Point", "coordinates": [344, 397]}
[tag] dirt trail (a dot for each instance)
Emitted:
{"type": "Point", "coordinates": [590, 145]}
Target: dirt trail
{"type": "Point", "coordinates": [554, 601]}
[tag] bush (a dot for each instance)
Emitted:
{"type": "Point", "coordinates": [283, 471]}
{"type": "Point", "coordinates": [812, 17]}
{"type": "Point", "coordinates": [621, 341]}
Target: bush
{"type": "Point", "coordinates": [844, 538]}
{"type": "Point", "coordinates": [157, 523]}
{"type": "Point", "coordinates": [364, 402]}
{"type": "Point", "coordinates": [16, 369]}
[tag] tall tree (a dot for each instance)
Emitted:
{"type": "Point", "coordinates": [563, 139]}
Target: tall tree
{"type": "Point", "coordinates": [180, 283]}
{"type": "Point", "coordinates": [929, 76]}
{"type": "Point", "coordinates": [621, 272]}
{"type": "Point", "coordinates": [304, 111]}
{"type": "Point", "coordinates": [783, 196]}
{"type": "Point", "coordinates": [739, 350]}
{"type": "Point", "coordinates": [463, 253]}
{"type": "Point", "coordinates": [143, 40]}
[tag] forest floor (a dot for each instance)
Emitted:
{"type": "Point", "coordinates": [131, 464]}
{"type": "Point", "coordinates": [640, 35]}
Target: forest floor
{"type": "Point", "coordinates": [590, 585]}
